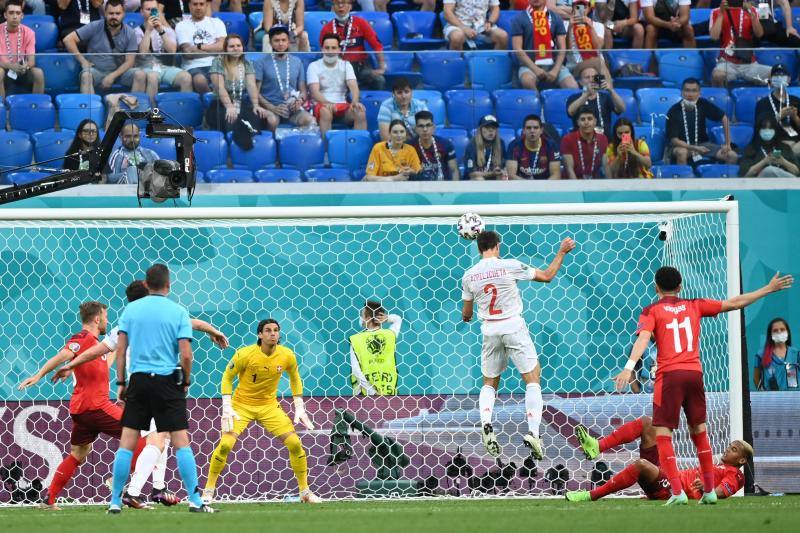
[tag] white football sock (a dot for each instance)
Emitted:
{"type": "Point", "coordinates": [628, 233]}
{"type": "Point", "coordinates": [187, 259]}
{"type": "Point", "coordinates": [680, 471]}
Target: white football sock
{"type": "Point", "coordinates": [160, 469]}
{"type": "Point", "coordinates": [486, 404]}
{"type": "Point", "coordinates": [144, 465]}
{"type": "Point", "coordinates": [533, 407]}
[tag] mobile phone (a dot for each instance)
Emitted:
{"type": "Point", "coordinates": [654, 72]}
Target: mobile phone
{"type": "Point", "coordinates": [776, 153]}
{"type": "Point", "coordinates": [626, 138]}
{"type": "Point", "coordinates": [581, 11]}
{"type": "Point", "coordinates": [154, 12]}
{"type": "Point", "coordinates": [599, 79]}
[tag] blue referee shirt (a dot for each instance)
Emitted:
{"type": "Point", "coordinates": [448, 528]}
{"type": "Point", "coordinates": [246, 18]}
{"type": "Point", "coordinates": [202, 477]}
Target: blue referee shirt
{"type": "Point", "coordinates": [154, 326]}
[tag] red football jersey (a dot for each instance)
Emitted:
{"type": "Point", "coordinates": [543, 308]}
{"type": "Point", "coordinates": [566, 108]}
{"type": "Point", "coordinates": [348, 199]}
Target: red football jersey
{"type": "Point", "coordinates": [675, 324]}
{"type": "Point", "coordinates": [92, 378]}
{"type": "Point", "coordinates": [728, 478]}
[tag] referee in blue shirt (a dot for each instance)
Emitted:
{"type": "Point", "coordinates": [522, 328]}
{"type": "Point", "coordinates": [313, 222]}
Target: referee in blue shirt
{"type": "Point", "coordinates": [159, 334]}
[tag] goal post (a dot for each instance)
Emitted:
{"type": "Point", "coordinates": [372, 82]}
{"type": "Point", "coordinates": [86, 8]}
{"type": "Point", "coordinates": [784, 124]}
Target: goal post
{"type": "Point", "coordinates": [312, 268]}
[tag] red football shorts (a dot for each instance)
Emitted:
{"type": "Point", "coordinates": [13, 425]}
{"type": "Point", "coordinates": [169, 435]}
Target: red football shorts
{"type": "Point", "coordinates": [675, 390]}
{"type": "Point", "coordinates": [650, 454]}
{"type": "Point", "coordinates": [86, 426]}
{"type": "Point", "coordinates": [339, 110]}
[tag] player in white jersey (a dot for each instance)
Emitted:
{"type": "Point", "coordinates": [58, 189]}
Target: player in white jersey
{"type": "Point", "coordinates": [492, 284]}
{"type": "Point", "coordinates": [153, 458]}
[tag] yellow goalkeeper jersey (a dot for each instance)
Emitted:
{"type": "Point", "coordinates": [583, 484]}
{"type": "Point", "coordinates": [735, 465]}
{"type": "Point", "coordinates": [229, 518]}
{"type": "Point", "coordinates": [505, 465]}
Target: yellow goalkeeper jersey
{"type": "Point", "coordinates": [259, 375]}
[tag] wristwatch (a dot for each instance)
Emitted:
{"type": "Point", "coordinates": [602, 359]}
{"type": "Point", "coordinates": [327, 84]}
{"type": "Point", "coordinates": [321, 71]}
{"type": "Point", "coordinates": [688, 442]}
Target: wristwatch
{"type": "Point", "coordinates": [162, 32]}
{"type": "Point", "coordinates": [199, 46]}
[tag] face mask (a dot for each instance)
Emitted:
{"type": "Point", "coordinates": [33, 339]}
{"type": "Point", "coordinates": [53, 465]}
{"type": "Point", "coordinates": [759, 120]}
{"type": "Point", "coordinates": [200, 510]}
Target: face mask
{"type": "Point", "coordinates": [780, 337]}
{"type": "Point", "coordinates": [342, 18]}
{"type": "Point", "coordinates": [780, 82]}
{"type": "Point", "coordinates": [689, 103]}
{"type": "Point", "coordinates": [330, 60]}
{"type": "Point", "coordinates": [767, 134]}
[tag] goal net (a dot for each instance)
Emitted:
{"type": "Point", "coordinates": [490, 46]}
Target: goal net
{"type": "Point", "coordinates": [312, 270]}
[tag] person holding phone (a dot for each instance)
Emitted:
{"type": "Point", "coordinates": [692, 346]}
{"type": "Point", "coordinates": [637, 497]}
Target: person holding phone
{"type": "Point", "coordinates": [598, 97]}
{"type": "Point", "coordinates": [585, 38]}
{"type": "Point", "coordinates": [735, 24]}
{"type": "Point", "coordinates": [627, 156]}
{"type": "Point", "coordinates": [767, 157]}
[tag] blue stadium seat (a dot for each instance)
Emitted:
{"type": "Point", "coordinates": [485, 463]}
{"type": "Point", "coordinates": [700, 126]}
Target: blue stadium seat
{"type": "Point", "coordinates": [255, 19]}
{"type": "Point", "coordinates": [745, 99]}
{"type": "Point", "coordinates": [654, 104]}
{"type": "Point", "coordinates": [315, 20]}
{"type": "Point", "coordinates": [513, 105]}
{"type": "Point", "coordinates": [163, 146]}
{"type": "Point", "coordinates": [49, 145]}
{"type": "Point", "coordinates": [631, 106]}
{"type": "Point", "coordinates": [263, 154]}
{"type": "Point", "coordinates": [674, 67]}
{"type": "Point", "coordinates": [698, 15]}
{"type": "Point", "coordinates": [73, 108]}
{"type": "Point", "coordinates": [211, 150]}
{"type": "Point", "coordinates": [134, 19]}
{"type": "Point", "coordinates": [505, 133]}
{"type": "Point", "coordinates": [619, 58]}
{"type": "Point", "coordinates": [31, 112]}
{"type": "Point", "coordinates": [184, 108]}
{"type": "Point", "coordinates": [410, 23]}
{"type": "Point", "coordinates": [718, 171]}
{"type": "Point", "coordinates": [328, 174]}
{"type": "Point", "coordinates": [673, 171]}
{"type": "Point", "coordinates": [382, 25]}
{"type": "Point", "coordinates": [349, 149]}
{"type": "Point", "coordinates": [46, 32]}
{"type": "Point", "coordinates": [21, 178]}
{"type": "Point", "coordinates": [554, 107]}
{"type": "Point", "coordinates": [301, 152]}
{"type": "Point", "coordinates": [458, 137]}
{"type": "Point", "coordinates": [504, 22]}
{"type": "Point", "coordinates": [490, 70]}
{"type": "Point", "coordinates": [229, 175]}
{"type": "Point", "coordinates": [16, 149]}
{"type": "Point", "coordinates": [720, 97]}
{"type": "Point", "coordinates": [400, 65]}
{"type": "Point", "coordinates": [278, 175]}
{"type": "Point", "coordinates": [235, 23]}
{"type": "Point", "coordinates": [654, 139]}
{"type": "Point", "coordinates": [61, 72]}
{"type": "Point", "coordinates": [436, 105]}
{"type": "Point", "coordinates": [466, 107]}
{"type": "Point", "coordinates": [772, 57]}
{"type": "Point", "coordinates": [38, 18]}
{"type": "Point", "coordinates": [372, 101]}
{"type": "Point", "coordinates": [741, 135]}
{"type": "Point", "coordinates": [442, 71]}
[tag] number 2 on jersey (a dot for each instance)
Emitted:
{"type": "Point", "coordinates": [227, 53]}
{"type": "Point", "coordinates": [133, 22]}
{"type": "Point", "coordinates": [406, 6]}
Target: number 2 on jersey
{"type": "Point", "coordinates": [676, 327]}
{"type": "Point", "coordinates": [486, 290]}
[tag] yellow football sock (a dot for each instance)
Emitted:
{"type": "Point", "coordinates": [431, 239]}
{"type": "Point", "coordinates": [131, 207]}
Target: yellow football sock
{"type": "Point", "coordinates": [219, 458]}
{"type": "Point", "coordinates": [297, 458]}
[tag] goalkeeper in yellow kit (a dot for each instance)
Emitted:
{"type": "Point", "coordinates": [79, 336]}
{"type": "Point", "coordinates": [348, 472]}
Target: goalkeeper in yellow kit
{"type": "Point", "coordinates": [259, 368]}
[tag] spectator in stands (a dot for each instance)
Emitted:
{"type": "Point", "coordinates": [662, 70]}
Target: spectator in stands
{"type": "Point", "coordinates": [82, 149]}
{"type": "Point", "coordinates": [177, 10]}
{"type": "Point", "coordinates": [329, 79]}
{"type": "Point", "coordinates": [582, 151]}
{"type": "Point", "coordinates": [687, 135]}
{"type": "Point", "coordinates": [289, 13]}
{"type": "Point", "coordinates": [484, 158]}
{"type": "Point", "coordinates": [625, 23]}
{"type": "Point", "coordinates": [157, 44]}
{"type": "Point", "coordinates": [627, 156]}
{"type": "Point", "coordinates": [281, 80]}
{"type": "Point", "coordinates": [73, 14]}
{"type": "Point", "coordinates": [18, 69]}
{"type": "Point", "coordinates": [668, 20]}
{"type": "Point", "coordinates": [200, 37]}
{"type": "Point", "coordinates": [36, 7]}
{"type": "Point", "coordinates": [235, 106]}
{"type": "Point", "coordinates": [545, 64]}
{"type": "Point", "coordinates": [124, 161]}
{"type": "Point", "coordinates": [784, 35]}
{"type": "Point", "coordinates": [401, 105]}
{"type": "Point", "coordinates": [767, 157]}
{"type": "Point", "coordinates": [534, 156]}
{"type": "Point", "coordinates": [474, 23]}
{"type": "Point", "coordinates": [584, 38]}
{"type": "Point", "coordinates": [436, 154]}
{"type": "Point", "coordinates": [107, 40]}
{"type": "Point", "coordinates": [353, 32]}
{"type": "Point", "coordinates": [783, 107]}
{"type": "Point", "coordinates": [393, 160]}
{"type": "Point", "coordinates": [779, 362]}
{"type": "Point", "coordinates": [600, 102]}
{"type": "Point", "coordinates": [738, 29]}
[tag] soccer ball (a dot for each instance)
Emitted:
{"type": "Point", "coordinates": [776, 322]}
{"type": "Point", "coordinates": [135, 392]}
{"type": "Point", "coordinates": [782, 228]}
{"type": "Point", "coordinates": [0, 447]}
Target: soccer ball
{"type": "Point", "coordinates": [470, 225]}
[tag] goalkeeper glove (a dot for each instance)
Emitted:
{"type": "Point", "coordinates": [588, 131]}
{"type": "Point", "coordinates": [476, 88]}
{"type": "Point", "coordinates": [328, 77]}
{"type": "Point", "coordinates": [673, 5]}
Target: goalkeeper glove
{"type": "Point", "coordinates": [229, 415]}
{"type": "Point", "coordinates": [300, 413]}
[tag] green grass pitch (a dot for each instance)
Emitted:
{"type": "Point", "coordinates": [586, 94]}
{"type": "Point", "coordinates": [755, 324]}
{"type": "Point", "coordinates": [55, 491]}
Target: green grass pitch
{"type": "Point", "coordinates": [744, 515]}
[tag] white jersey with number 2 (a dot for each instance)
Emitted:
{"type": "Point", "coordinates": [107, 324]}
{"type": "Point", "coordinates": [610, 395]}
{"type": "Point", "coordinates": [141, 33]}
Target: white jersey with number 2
{"type": "Point", "coordinates": [492, 285]}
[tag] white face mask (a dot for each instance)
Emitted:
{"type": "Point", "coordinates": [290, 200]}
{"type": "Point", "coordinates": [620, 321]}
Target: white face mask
{"type": "Point", "coordinates": [780, 82]}
{"type": "Point", "coordinates": [689, 103]}
{"type": "Point", "coordinates": [767, 134]}
{"type": "Point", "coordinates": [780, 337]}
{"type": "Point", "coordinates": [330, 60]}
{"type": "Point", "coordinates": [342, 18]}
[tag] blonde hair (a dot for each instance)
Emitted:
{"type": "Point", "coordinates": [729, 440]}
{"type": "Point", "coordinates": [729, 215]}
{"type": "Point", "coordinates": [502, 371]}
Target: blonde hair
{"type": "Point", "coordinates": [497, 151]}
{"type": "Point", "coordinates": [748, 450]}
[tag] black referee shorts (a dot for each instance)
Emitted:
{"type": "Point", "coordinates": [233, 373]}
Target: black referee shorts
{"type": "Point", "coordinates": [151, 396]}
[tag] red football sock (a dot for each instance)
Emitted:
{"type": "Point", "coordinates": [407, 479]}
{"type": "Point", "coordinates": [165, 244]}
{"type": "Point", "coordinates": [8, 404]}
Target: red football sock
{"type": "Point", "coordinates": [706, 460]}
{"type": "Point", "coordinates": [627, 478]}
{"type": "Point", "coordinates": [666, 456]}
{"type": "Point", "coordinates": [627, 432]}
{"type": "Point", "coordinates": [63, 474]}
{"type": "Point", "coordinates": [140, 444]}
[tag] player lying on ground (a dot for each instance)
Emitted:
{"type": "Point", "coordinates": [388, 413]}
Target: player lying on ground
{"type": "Point", "coordinates": [674, 323]}
{"type": "Point", "coordinates": [728, 477]}
{"type": "Point", "coordinates": [492, 283]}
{"type": "Point", "coordinates": [259, 368]}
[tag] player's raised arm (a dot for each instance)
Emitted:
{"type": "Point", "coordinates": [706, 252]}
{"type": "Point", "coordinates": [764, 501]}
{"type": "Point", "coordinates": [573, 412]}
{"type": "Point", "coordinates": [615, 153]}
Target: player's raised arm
{"type": "Point", "coordinates": [777, 283]}
{"type": "Point", "coordinates": [98, 350]}
{"type": "Point", "coordinates": [296, 384]}
{"type": "Point", "coordinates": [216, 336]}
{"type": "Point", "coordinates": [547, 275]}
{"type": "Point", "coordinates": [61, 357]}
{"type": "Point", "coordinates": [624, 378]}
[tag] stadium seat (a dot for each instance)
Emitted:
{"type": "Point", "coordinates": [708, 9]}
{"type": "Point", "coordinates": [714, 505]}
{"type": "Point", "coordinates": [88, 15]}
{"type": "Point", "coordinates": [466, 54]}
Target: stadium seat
{"type": "Point", "coordinates": [235, 23]}
{"type": "Point", "coordinates": [134, 19]}
{"type": "Point", "coordinates": [315, 20]}
{"type": "Point", "coordinates": [31, 112]}
{"type": "Point", "coordinates": [301, 152]}
{"type": "Point", "coordinates": [327, 174]}
{"type": "Point", "coordinates": [38, 18]}
{"type": "Point", "coordinates": [505, 133]}
{"type": "Point", "coordinates": [255, 18]}
{"type": "Point", "coordinates": [400, 65]}
{"type": "Point", "coordinates": [163, 146]}
{"type": "Point", "coordinates": [16, 149]}
{"type": "Point", "coordinates": [654, 137]}
{"type": "Point", "coordinates": [772, 57]}
{"type": "Point", "coordinates": [554, 107]}
{"type": "Point", "coordinates": [73, 108]}
{"type": "Point", "coordinates": [382, 25]}
{"type": "Point", "coordinates": [620, 58]}
{"type": "Point", "coordinates": [49, 145]}
{"type": "Point", "coordinates": [264, 153]}
{"type": "Point", "coordinates": [490, 70]}
{"type": "Point", "coordinates": [631, 106]}
{"type": "Point", "coordinates": [436, 105]}
{"type": "Point", "coordinates": [745, 99]}
{"type": "Point", "coordinates": [349, 149]}
{"type": "Point", "coordinates": [229, 175]}
{"type": "Point", "coordinates": [741, 135]}
{"type": "Point", "coordinates": [673, 171]}
{"type": "Point", "coordinates": [504, 21]}
{"type": "Point", "coordinates": [46, 32]}
{"type": "Point", "coordinates": [442, 71]}
{"type": "Point", "coordinates": [415, 30]}
{"type": "Point", "coordinates": [184, 108]}
{"type": "Point", "coordinates": [513, 105]}
{"type": "Point", "coordinates": [654, 104]}
{"type": "Point", "coordinates": [720, 97]}
{"type": "Point", "coordinates": [21, 178]}
{"type": "Point", "coordinates": [466, 107]}
{"type": "Point", "coordinates": [372, 101]}
{"type": "Point", "coordinates": [278, 175]}
{"type": "Point", "coordinates": [61, 73]}
{"type": "Point", "coordinates": [718, 171]}
{"type": "Point", "coordinates": [699, 15]}
{"type": "Point", "coordinates": [674, 67]}
{"type": "Point", "coordinates": [211, 150]}
{"type": "Point", "coordinates": [458, 137]}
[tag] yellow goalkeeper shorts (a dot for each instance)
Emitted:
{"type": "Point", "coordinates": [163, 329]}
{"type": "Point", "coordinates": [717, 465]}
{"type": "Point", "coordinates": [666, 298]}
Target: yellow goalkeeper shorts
{"type": "Point", "coordinates": [270, 417]}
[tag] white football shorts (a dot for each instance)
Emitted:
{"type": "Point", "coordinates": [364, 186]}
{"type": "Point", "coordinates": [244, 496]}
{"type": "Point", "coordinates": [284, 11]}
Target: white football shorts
{"type": "Point", "coordinates": [152, 429]}
{"type": "Point", "coordinates": [498, 349]}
